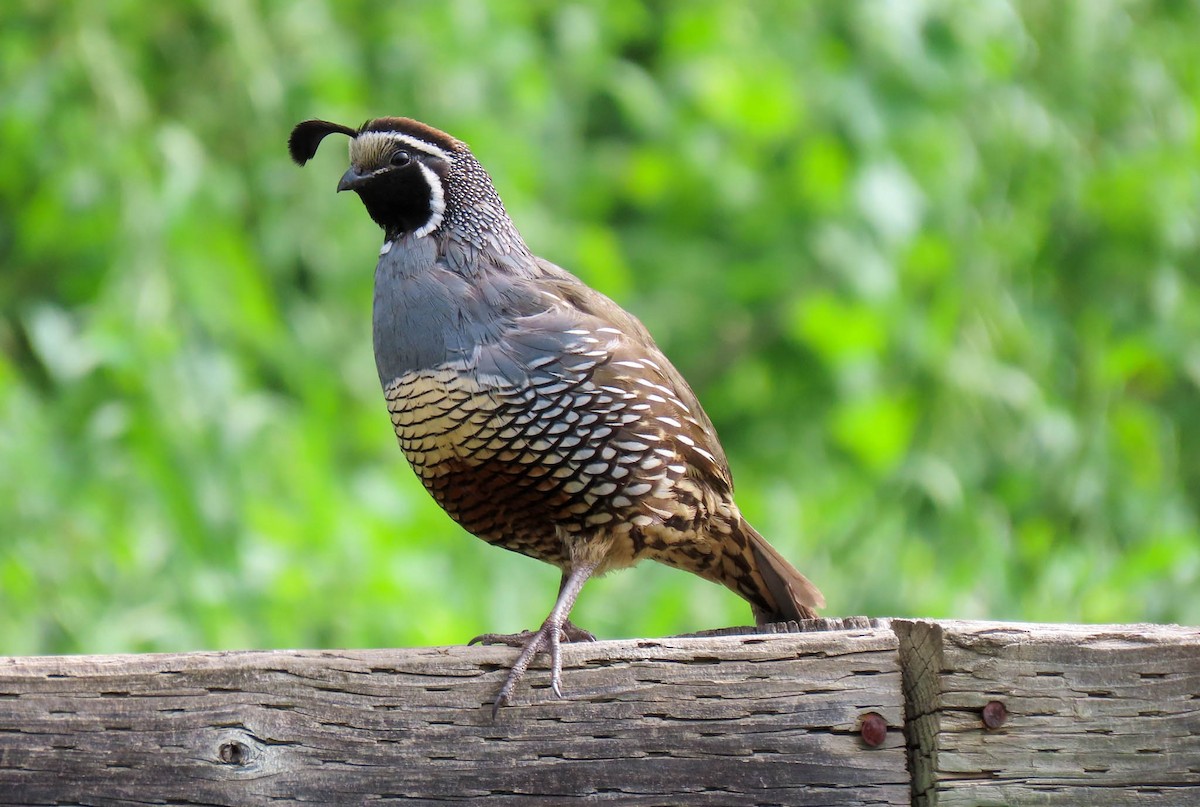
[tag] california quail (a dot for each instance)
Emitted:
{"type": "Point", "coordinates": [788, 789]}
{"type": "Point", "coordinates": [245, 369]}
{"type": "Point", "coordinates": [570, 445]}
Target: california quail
{"type": "Point", "coordinates": [538, 413]}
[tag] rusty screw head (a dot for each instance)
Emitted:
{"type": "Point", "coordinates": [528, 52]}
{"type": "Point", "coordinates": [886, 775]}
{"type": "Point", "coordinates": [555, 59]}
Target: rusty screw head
{"type": "Point", "coordinates": [873, 729]}
{"type": "Point", "coordinates": [994, 714]}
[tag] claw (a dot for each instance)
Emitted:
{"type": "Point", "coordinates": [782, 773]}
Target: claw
{"type": "Point", "coordinates": [510, 639]}
{"type": "Point", "coordinates": [572, 633]}
{"type": "Point", "coordinates": [534, 644]}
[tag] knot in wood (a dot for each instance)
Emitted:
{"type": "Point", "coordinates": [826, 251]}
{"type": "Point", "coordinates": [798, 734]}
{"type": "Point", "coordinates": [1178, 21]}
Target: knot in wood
{"type": "Point", "coordinates": [234, 753]}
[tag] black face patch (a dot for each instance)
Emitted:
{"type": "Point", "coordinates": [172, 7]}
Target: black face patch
{"type": "Point", "coordinates": [406, 199]}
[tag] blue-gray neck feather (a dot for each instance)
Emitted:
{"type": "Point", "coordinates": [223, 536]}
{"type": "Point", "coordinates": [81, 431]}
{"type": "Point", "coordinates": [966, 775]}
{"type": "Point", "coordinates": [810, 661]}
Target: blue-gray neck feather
{"type": "Point", "coordinates": [437, 299]}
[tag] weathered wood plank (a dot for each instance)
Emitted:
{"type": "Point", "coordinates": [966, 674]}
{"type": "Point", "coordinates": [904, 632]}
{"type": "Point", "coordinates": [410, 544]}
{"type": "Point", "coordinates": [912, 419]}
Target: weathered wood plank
{"type": "Point", "coordinates": [1095, 714]}
{"type": "Point", "coordinates": [1091, 715]}
{"type": "Point", "coordinates": [707, 721]}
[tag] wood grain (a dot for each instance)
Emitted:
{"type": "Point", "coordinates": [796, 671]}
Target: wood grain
{"type": "Point", "coordinates": [709, 721]}
{"type": "Point", "coordinates": [1096, 714]}
{"type": "Point", "coordinates": [1081, 714]}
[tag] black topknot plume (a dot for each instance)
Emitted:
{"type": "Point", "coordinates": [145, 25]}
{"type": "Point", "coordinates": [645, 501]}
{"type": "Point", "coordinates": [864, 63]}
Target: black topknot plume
{"type": "Point", "coordinates": [302, 145]}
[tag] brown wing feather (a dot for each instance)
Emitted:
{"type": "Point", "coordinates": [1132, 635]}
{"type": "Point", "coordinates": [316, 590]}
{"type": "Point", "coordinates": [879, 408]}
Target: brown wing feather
{"type": "Point", "coordinates": [592, 303]}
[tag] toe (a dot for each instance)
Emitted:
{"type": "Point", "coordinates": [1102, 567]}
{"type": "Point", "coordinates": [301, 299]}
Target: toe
{"type": "Point", "coordinates": [574, 633]}
{"type": "Point", "coordinates": [510, 639]}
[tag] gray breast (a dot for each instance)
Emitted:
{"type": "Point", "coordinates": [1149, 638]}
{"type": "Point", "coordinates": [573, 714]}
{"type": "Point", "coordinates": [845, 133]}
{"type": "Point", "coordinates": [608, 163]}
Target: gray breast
{"type": "Point", "coordinates": [425, 314]}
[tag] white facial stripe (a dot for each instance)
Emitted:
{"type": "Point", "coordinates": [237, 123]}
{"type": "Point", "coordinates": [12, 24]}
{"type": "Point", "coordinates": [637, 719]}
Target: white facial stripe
{"type": "Point", "coordinates": [437, 201]}
{"type": "Point", "coordinates": [368, 141]}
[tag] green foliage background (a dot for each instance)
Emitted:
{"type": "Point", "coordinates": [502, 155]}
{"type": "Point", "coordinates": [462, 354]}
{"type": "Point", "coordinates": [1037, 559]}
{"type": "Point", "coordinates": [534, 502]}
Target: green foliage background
{"type": "Point", "coordinates": [931, 266]}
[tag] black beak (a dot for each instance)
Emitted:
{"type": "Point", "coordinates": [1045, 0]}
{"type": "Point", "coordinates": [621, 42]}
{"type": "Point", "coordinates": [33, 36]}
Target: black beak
{"type": "Point", "coordinates": [352, 180]}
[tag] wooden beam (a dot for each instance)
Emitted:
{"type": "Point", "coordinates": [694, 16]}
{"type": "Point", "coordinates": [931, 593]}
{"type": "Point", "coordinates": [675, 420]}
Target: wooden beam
{"type": "Point", "coordinates": [720, 721]}
{"type": "Point", "coordinates": [1084, 714]}
{"type": "Point", "coordinates": [1087, 714]}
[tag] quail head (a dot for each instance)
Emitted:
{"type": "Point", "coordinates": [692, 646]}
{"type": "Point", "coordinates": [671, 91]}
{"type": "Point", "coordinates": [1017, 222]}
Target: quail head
{"type": "Point", "coordinates": [538, 413]}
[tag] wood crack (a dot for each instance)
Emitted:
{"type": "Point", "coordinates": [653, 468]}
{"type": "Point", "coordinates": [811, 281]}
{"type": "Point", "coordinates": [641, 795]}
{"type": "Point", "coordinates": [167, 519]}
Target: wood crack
{"type": "Point", "coordinates": [1079, 714]}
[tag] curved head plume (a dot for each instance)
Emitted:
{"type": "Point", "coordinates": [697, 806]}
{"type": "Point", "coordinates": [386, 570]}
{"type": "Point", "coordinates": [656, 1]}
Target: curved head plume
{"type": "Point", "coordinates": [302, 145]}
{"type": "Point", "coordinates": [307, 136]}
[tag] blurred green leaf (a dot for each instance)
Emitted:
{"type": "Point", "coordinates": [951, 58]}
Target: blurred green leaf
{"type": "Point", "coordinates": [932, 268]}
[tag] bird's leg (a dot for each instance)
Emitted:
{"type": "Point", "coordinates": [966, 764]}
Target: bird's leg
{"type": "Point", "coordinates": [569, 632]}
{"type": "Point", "coordinates": [548, 637]}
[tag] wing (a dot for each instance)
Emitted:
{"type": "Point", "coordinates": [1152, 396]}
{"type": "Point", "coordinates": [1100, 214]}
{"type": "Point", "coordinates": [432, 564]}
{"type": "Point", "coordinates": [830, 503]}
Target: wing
{"type": "Point", "coordinates": [638, 348]}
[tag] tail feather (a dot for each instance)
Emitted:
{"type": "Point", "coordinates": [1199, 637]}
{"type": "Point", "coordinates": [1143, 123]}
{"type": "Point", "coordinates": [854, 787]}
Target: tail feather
{"type": "Point", "coordinates": [791, 595]}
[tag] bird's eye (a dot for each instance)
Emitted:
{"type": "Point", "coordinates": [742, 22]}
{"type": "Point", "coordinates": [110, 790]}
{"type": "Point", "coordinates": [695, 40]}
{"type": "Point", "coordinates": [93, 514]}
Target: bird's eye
{"type": "Point", "coordinates": [401, 158]}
